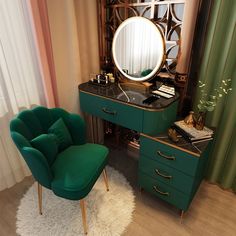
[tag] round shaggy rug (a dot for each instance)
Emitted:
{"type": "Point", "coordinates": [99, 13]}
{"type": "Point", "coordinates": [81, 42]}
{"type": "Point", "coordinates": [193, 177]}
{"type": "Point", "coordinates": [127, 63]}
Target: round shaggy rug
{"type": "Point", "coordinates": [108, 213]}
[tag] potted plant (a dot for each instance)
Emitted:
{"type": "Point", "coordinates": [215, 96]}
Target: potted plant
{"type": "Point", "coordinates": [207, 103]}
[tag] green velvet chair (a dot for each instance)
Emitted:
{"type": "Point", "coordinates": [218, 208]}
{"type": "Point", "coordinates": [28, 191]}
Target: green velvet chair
{"type": "Point", "coordinates": [52, 142]}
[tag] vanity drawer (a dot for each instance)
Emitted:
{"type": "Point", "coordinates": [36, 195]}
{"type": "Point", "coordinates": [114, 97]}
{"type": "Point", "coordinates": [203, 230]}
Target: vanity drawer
{"type": "Point", "coordinates": [163, 191]}
{"type": "Point", "coordinates": [115, 112]}
{"type": "Point", "coordinates": [92, 104]}
{"type": "Point", "coordinates": [158, 122]}
{"type": "Point", "coordinates": [166, 174]}
{"type": "Point", "coordinates": [170, 156]}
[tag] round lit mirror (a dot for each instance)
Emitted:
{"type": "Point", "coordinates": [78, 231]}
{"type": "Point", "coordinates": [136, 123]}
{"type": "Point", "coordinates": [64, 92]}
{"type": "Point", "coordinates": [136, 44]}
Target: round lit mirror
{"type": "Point", "coordinates": [138, 49]}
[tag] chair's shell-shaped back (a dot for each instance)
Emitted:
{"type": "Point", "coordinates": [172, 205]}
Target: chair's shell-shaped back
{"type": "Point", "coordinates": [28, 123]}
{"type": "Point", "coordinates": [31, 123]}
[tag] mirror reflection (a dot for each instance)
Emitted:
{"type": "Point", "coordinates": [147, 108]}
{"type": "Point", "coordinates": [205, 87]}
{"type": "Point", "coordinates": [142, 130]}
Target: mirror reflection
{"type": "Point", "coordinates": [138, 48]}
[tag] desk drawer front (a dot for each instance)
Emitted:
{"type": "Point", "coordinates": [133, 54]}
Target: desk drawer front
{"type": "Point", "coordinates": [167, 155]}
{"type": "Point", "coordinates": [158, 122]}
{"type": "Point", "coordinates": [126, 115]}
{"type": "Point", "coordinates": [164, 191]}
{"type": "Point", "coordinates": [92, 104]}
{"type": "Point", "coordinates": [112, 111]}
{"type": "Point", "coordinates": [166, 174]}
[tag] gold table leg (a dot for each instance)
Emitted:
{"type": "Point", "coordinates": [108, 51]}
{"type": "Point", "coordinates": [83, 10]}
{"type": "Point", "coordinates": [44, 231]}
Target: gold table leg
{"type": "Point", "coordinates": [105, 179]}
{"type": "Point", "coordinates": [40, 198]}
{"type": "Point", "coordinates": [181, 216]}
{"type": "Point", "coordinates": [83, 211]}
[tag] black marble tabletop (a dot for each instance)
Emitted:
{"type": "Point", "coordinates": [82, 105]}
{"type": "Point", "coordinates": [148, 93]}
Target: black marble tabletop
{"type": "Point", "coordinates": [195, 148]}
{"type": "Point", "coordinates": [127, 94]}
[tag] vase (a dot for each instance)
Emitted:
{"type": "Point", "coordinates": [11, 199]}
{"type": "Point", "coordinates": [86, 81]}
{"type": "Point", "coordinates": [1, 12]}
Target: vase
{"type": "Point", "coordinates": [200, 121]}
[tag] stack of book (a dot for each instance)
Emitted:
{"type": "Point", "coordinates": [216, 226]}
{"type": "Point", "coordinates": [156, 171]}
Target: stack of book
{"type": "Point", "coordinates": [191, 133]}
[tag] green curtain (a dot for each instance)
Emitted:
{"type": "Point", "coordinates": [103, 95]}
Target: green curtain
{"type": "Point", "coordinates": [219, 63]}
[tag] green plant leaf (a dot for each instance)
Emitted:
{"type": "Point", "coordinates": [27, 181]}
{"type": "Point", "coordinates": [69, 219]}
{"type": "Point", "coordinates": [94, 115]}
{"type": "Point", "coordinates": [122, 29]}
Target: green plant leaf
{"type": "Point", "coordinates": [211, 108]}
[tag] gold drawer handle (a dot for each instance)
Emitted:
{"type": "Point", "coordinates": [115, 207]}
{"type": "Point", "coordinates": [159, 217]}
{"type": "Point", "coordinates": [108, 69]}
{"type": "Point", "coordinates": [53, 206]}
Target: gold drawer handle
{"type": "Point", "coordinates": [159, 191]}
{"type": "Point", "coordinates": [109, 112]}
{"type": "Point", "coordinates": [171, 158]}
{"type": "Point", "coordinates": [163, 175]}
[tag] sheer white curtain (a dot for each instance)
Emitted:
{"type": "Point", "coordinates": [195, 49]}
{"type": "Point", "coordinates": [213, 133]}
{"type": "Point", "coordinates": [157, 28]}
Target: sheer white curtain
{"type": "Point", "coordinates": [20, 83]}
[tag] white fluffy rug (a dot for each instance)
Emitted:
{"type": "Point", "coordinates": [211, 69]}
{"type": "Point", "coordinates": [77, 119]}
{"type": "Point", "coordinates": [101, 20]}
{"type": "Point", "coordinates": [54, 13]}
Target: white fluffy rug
{"type": "Point", "coordinates": [108, 213]}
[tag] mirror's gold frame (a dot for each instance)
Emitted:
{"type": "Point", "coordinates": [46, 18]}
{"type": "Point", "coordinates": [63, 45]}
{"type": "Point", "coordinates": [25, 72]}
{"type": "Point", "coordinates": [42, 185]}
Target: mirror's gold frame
{"type": "Point", "coordinates": [159, 65]}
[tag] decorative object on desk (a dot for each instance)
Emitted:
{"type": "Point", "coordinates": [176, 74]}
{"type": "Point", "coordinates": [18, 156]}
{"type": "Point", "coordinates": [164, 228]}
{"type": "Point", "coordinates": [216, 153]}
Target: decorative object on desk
{"type": "Point", "coordinates": [92, 77]}
{"type": "Point", "coordinates": [111, 77]}
{"type": "Point", "coordinates": [180, 78]}
{"type": "Point", "coordinates": [191, 133]}
{"type": "Point", "coordinates": [172, 134]}
{"type": "Point", "coordinates": [102, 78]}
{"type": "Point", "coordinates": [200, 120]}
{"type": "Point", "coordinates": [107, 212]}
{"type": "Point", "coordinates": [190, 120]}
{"type": "Point", "coordinates": [207, 103]}
{"type": "Point", "coordinates": [99, 79]}
{"type": "Point", "coordinates": [147, 84]}
{"type": "Point", "coordinates": [165, 91]}
{"type": "Point", "coordinates": [112, 80]}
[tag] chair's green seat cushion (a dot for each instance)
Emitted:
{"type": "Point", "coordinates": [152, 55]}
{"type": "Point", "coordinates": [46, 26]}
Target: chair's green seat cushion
{"type": "Point", "coordinates": [76, 170]}
{"type": "Point", "coordinates": [62, 133]}
{"type": "Point", "coordinates": [47, 144]}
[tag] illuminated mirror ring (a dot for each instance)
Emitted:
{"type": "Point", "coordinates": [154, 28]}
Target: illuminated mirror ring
{"type": "Point", "coordinates": [138, 48]}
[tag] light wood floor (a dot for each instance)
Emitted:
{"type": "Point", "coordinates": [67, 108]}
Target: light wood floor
{"type": "Point", "coordinates": [212, 212]}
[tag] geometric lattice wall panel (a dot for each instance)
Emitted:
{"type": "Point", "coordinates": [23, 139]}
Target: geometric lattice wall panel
{"type": "Point", "coordinates": [167, 15]}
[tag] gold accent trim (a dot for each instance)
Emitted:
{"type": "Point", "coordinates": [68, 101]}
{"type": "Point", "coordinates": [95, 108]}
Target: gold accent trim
{"type": "Point", "coordinates": [171, 158]}
{"type": "Point", "coordinates": [104, 109]}
{"type": "Point", "coordinates": [163, 175]}
{"type": "Point", "coordinates": [105, 179]}
{"type": "Point", "coordinates": [159, 191]}
{"type": "Point", "coordinates": [181, 216]}
{"type": "Point", "coordinates": [40, 198]}
{"type": "Point", "coordinates": [132, 105]}
{"type": "Point", "coordinates": [169, 144]}
{"type": "Point", "coordinates": [83, 211]}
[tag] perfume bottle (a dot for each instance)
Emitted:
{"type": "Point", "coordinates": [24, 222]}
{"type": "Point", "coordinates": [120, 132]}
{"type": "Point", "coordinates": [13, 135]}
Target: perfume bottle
{"type": "Point", "coordinates": [190, 120]}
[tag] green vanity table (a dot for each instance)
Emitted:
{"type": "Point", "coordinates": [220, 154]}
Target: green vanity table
{"type": "Point", "coordinates": [111, 104]}
{"type": "Point", "coordinates": [173, 172]}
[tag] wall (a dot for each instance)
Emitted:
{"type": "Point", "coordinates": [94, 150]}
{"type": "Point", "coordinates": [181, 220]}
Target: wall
{"type": "Point", "coordinates": [73, 26]}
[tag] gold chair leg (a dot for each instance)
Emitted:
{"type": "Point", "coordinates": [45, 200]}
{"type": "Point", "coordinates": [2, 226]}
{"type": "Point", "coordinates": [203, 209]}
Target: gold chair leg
{"type": "Point", "coordinates": [105, 178]}
{"type": "Point", "coordinates": [181, 216]}
{"type": "Point", "coordinates": [40, 198]}
{"type": "Point", "coordinates": [83, 211]}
